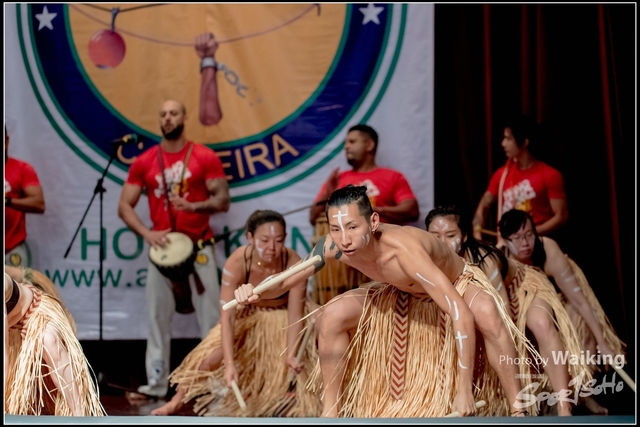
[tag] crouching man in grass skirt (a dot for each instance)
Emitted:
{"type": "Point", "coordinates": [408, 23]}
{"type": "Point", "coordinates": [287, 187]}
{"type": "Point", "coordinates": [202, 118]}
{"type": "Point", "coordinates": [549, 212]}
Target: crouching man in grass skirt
{"type": "Point", "coordinates": [46, 371]}
{"type": "Point", "coordinates": [255, 346]}
{"type": "Point", "coordinates": [430, 371]}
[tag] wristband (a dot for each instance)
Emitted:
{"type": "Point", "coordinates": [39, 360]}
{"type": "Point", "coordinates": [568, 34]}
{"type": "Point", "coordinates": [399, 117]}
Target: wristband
{"type": "Point", "coordinates": [208, 62]}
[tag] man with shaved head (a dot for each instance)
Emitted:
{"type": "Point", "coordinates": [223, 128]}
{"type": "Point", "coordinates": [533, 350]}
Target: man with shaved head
{"type": "Point", "coordinates": [185, 184]}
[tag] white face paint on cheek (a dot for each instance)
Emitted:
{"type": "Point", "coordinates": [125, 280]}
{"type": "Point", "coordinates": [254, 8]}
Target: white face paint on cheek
{"type": "Point", "coordinates": [272, 230]}
{"type": "Point", "coordinates": [259, 249]}
{"type": "Point", "coordinates": [455, 245]}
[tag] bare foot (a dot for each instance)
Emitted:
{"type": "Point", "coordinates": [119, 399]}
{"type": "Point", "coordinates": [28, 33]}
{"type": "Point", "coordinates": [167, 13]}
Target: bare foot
{"type": "Point", "coordinates": [564, 410]}
{"type": "Point", "coordinates": [169, 408]}
{"type": "Point", "coordinates": [594, 407]}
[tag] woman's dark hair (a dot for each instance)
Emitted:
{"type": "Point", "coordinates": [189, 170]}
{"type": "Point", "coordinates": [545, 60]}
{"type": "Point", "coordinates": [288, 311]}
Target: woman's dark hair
{"type": "Point", "coordinates": [262, 217]}
{"type": "Point", "coordinates": [477, 249]}
{"type": "Point", "coordinates": [511, 222]}
{"type": "Point", "coordinates": [348, 195]}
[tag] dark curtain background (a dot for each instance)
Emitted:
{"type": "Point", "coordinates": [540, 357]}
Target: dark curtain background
{"type": "Point", "coordinates": [571, 67]}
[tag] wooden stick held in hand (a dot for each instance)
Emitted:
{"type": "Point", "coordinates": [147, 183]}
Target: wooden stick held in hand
{"type": "Point", "coordinates": [236, 391]}
{"type": "Point", "coordinates": [278, 279]}
{"type": "Point", "coordinates": [479, 404]}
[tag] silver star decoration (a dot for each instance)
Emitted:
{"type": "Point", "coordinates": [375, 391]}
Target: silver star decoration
{"type": "Point", "coordinates": [371, 13]}
{"type": "Point", "coordinates": [45, 18]}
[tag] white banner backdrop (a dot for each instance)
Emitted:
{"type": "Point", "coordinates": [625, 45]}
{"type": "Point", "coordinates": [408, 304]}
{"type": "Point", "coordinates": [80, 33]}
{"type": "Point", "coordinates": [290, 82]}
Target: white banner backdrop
{"type": "Point", "coordinates": [63, 126]}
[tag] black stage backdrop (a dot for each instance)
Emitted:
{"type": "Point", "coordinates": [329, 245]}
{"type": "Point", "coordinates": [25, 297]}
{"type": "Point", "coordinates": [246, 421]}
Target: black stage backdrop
{"type": "Point", "coordinates": [571, 67]}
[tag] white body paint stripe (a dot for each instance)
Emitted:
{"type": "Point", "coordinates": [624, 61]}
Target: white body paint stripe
{"type": "Point", "coordinates": [225, 271]}
{"type": "Point", "coordinates": [448, 302]}
{"type": "Point", "coordinates": [455, 306]}
{"type": "Point", "coordinates": [420, 276]}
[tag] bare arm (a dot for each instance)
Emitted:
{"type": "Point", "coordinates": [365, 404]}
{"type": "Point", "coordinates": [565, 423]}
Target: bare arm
{"type": "Point", "coordinates": [32, 202]}
{"type": "Point", "coordinates": [126, 211]}
{"type": "Point", "coordinates": [559, 218]}
{"type": "Point", "coordinates": [232, 277]}
{"type": "Point", "coordinates": [218, 200]}
{"type": "Point", "coordinates": [558, 267]}
{"type": "Point", "coordinates": [480, 214]}
{"type": "Point", "coordinates": [210, 112]}
{"type": "Point", "coordinates": [295, 311]}
{"type": "Point", "coordinates": [417, 265]}
{"type": "Point", "coordinates": [404, 212]}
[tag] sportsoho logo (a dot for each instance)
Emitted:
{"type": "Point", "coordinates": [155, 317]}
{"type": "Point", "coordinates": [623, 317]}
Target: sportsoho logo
{"type": "Point", "coordinates": [290, 78]}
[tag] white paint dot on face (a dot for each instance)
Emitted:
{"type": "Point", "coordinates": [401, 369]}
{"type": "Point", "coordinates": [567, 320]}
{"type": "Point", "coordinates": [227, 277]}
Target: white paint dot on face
{"type": "Point", "coordinates": [435, 227]}
{"type": "Point", "coordinates": [426, 280]}
{"type": "Point", "coordinates": [273, 231]}
{"type": "Point", "coordinates": [445, 226]}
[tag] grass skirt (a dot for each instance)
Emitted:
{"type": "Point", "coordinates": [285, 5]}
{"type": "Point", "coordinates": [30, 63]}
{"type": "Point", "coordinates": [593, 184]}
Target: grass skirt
{"type": "Point", "coordinates": [428, 355]}
{"type": "Point", "coordinates": [582, 329]}
{"type": "Point", "coordinates": [30, 388]}
{"type": "Point", "coordinates": [259, 354]}
{"type": "Point", "coordinates": [527, 284]}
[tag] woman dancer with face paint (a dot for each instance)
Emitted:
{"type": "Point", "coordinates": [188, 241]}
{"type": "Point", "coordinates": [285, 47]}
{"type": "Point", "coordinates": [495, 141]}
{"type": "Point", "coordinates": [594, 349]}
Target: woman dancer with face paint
{"type": "Point", "coordinates": [404, 345]}
{"type": "Point", "coordinates": [534, 302]}
{"type": "Point", "coordinates": [591, 323]}
{"type": "Point", "coordinates": [247, 345]}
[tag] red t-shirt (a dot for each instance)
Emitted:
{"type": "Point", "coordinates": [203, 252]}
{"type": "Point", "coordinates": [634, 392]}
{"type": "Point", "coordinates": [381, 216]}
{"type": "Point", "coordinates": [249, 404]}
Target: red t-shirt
{"type": "Point", "coordinates": [204, 164]}
{"type": "Point", "coordinates": [17, 176]}
{"type": "Point", "coordinates": [529, 190]}
{"type": "Point", "coordinates": [385, 187]}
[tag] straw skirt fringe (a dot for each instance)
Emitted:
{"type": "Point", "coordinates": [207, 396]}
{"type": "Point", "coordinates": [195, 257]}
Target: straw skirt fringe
{"type": "Point", "coordinates": [430, 376]}
{"type": "Point", "coordinates": [260, 358]}
{"type": "Point", "coordinates": [529, 283]}
{"type": "Point", "coordinates": [30, 388]}
{"type": "Point", "coordinates": [583, 331]}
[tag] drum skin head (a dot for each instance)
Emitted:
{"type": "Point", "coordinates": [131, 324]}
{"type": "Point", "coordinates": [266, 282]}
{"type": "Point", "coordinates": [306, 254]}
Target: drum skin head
{"type": "Point", "coordinates": [174, 253]}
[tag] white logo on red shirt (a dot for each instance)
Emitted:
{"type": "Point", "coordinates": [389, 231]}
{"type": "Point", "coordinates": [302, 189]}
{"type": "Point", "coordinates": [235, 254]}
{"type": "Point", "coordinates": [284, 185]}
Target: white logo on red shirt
{"type": "Point", "coordinates": [172, 175]}
{"type": "Point", "coordinates": [518, 196]}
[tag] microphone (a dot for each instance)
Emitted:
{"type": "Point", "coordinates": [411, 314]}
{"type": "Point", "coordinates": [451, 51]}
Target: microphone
{"type": "Point", "coordinates": [131, 138]}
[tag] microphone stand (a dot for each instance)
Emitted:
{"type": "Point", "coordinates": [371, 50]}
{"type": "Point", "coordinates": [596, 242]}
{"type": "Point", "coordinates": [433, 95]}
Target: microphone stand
{"type": "Point", "coordinates": [99, 189]}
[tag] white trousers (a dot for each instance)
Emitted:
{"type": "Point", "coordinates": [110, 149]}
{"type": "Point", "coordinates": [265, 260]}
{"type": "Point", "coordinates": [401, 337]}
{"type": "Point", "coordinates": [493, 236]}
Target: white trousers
{"type": "Point", "coordinates": [161, 306]}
